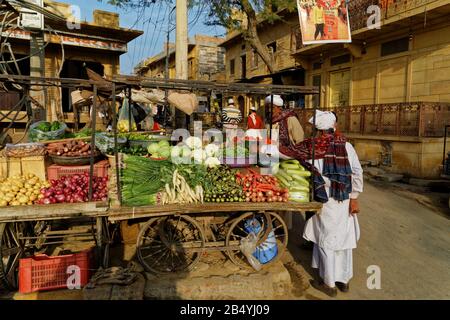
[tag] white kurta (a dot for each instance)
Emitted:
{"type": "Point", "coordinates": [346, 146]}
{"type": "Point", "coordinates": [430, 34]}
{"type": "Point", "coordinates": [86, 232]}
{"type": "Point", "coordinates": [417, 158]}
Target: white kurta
{"type": "Point", "coordinates": [335, 232]}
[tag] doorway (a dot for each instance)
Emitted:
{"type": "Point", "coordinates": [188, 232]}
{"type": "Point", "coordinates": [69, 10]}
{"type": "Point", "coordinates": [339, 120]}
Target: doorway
{"type": "Point", "coordinates": [340, 88]}
{"type": "Point", "coordinates": [76, 69]}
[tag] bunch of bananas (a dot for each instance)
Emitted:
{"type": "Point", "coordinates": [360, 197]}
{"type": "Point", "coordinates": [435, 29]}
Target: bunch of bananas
{"type": "Point", "coordinates": [124, 126]}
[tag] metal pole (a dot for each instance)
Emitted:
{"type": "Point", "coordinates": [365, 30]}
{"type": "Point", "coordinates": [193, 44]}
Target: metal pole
{"type": "Point", "coordinates": [270, 117]}
{"type": "Point", "coordinates": [116, 147]}
{"type": "Point", "coordinates": [313, 145]}
{"type": "Point", "coordinates": [130, 128]}
{"type": "Point", "coordinates": [445, 145]}
{"type": "Point", "coordinates": [93, 125]}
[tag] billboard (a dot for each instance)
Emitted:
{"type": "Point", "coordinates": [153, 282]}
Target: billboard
{"type": "Point", "coordinates": [324, 21]}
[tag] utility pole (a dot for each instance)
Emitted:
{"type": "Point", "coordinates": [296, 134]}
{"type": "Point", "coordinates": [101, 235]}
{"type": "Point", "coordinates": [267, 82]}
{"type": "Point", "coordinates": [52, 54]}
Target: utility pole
{"type": "Point", "coordinates": [181, 46]}
{"type": "Point", "coordinates": [181, 49]}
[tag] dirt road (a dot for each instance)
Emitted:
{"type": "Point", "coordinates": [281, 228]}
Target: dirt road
{"type": "Point", "coordinates": [409, 242]}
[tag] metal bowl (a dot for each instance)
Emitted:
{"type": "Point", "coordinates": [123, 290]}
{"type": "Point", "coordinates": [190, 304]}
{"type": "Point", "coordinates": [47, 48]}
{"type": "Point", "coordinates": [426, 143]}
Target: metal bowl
{"type": "Point", "coordinates": [74, 161]}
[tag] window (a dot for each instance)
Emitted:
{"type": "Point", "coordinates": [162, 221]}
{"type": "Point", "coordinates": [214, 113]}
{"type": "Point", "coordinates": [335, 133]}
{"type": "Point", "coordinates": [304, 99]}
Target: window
{"type": "Point", "coordinates": [340, 59]}
{"type": "Point", "coordinates": [272, 47]}
{"type": "Point", "coordinates": [317, 65]}
{"type": "Point", "coordinates": [255, 59]}
{"type": "Point", "coordinates": [243, 66]}
{"type": "Point", "coordinates": [395, 46]}
{"type": "Point", "coordinates": [232, 67]}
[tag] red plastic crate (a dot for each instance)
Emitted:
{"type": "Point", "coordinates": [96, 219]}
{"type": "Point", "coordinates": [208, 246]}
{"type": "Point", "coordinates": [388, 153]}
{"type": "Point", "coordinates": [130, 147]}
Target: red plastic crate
{"type": "Point", "coordinates": [55, 172]}
{"type": "Point", "coordinates": [42, 272]}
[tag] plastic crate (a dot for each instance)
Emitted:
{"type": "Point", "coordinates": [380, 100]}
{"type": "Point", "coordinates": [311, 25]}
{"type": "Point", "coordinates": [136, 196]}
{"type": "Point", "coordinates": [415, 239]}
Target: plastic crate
{"type": "Point", "coordinates": [55, 172]}
{"type": "Point", "coordinates": [41, 272]}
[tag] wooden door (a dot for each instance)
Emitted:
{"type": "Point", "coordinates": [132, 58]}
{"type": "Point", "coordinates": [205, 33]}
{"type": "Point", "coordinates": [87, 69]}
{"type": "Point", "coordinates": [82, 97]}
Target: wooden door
{"type": "Point", "coordinates": [340, 88]}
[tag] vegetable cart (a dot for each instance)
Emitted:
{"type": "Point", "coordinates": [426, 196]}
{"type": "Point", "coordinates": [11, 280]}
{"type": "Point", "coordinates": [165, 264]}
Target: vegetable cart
{"type": "Point", "coordinates": [172, 237]}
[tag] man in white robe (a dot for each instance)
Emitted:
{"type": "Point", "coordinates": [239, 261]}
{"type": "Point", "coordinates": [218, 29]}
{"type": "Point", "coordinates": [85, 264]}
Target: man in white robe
{"type": "Point", "coordinates": [335, 231]}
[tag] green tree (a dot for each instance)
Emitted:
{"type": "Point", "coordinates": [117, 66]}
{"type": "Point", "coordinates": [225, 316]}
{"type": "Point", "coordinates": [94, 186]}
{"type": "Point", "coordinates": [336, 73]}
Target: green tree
{"type": "Point", "coordinates": [237, 15]}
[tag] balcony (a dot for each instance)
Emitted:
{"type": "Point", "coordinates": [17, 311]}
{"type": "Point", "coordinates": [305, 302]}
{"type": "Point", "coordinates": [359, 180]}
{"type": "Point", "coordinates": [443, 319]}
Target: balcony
{"type": "Point", "coordinates": [411, 119]}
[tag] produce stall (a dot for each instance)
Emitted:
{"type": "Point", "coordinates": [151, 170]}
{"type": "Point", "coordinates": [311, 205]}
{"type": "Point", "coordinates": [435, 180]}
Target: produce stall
{"type": "Point", "coordinates": [188, 198]}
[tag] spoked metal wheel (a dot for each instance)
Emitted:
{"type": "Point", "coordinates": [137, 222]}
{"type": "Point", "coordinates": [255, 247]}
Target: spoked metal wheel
{"type": "Point", "coordinates": [269, 229]}
{"type": "Point", "coordinates": [12, 248]}
{"type": "Point", "coordinates": [170, 244]}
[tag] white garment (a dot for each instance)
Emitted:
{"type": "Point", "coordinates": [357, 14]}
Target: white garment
{"type": "Point", "coordinates": [324, 120]}
{"type": "Point", "coordinates": [277, 100]}
{"type": "Point", "coordinates": [335, 229]}
{"type": "Point", "coordinates": [334, 266]}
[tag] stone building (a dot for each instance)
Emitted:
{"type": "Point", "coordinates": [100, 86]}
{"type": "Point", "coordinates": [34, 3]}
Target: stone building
{"type": "Point", "coordinates": [390, 87]}
{"type": "Point", "coordinates": [97, 45]}
{"type": "Point", "coordinates": [205, 60]}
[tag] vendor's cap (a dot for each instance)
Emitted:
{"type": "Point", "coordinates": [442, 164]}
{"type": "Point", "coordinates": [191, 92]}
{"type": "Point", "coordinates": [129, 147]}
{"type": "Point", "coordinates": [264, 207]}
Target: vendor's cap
{"type": "Point", "coordinates": [253, 108]}
{"type": "Point", "coordinates": [230, 101]}
{"type": "Point", "coordinates": [324, 120]}
{"type": "Point", "coordinates": [277, 101]}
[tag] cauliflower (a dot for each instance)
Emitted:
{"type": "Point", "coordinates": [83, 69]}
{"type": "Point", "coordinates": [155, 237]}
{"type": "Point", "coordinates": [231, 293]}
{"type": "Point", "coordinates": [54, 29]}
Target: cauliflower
{"type": "Point", "coordinates": [212, 150]}
{"type": "Point", "coordinates": [198, 155]}
{"type": "Point", "coordinates": [212, 162]}
{"type": "Point", "coordinates": [193, 143]}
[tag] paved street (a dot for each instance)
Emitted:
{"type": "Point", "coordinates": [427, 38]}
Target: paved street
{"type": "Point", "coordinates": [409, 242]}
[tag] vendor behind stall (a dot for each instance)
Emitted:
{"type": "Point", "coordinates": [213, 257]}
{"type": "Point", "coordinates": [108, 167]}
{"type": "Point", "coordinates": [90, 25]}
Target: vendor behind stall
{"type": "Point", "coordinates": [286, 121]}
{"type": "Point", "coordinates": [231, 117]}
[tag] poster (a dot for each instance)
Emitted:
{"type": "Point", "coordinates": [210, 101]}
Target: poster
{"type": "Point", "coordinates": [324, 21]}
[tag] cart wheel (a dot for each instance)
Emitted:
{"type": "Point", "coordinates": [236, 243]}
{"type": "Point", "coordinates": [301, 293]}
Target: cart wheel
{"type": "Point", "coordinates": [269, 222]}
{"type": "Point", "coordinates": [170, 244]}
{"type": "Point", "coordinates": [13, 247]}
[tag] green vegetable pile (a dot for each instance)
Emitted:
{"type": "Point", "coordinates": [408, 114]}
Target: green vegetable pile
{"type": "Point", "coordinates": [237, 151]}
{"type": "Point", "coordinates": [143, 178]}
{"type": "Point", "coordinates": [49, 127]}
{"type": "Point", "coordinates": [160, 149]}
{"type": "Point", "coordinates": [134, 151]}
{"type": "Point", "coordinates": [220, 185]}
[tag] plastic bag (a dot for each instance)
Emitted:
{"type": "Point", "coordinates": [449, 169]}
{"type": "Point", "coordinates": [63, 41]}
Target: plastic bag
{"type": "Point", "coordinates": [248, 247]}
{"type": "Point", "coordinates": [105, 142]}
{"type": "Point", "coordinates": [268, 250]}
{"type": "Point", "coordinates": [36, 134]}
{"type": "Point", "coordinates": [125, 118]}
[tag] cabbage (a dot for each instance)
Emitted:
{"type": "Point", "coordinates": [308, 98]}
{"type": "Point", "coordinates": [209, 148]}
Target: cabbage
{"type": "Point", "coordinates": [153, 148]}
{"type": "Point", "coordinates": [165, 152]}
{"type": "Point", "coordinates": [164, 143]}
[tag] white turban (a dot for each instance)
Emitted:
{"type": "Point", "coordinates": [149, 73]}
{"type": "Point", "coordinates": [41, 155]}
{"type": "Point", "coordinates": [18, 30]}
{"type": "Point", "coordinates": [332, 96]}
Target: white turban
{"type": "Point", "coordinates": [277, 101]}
{"type": "Point", "coordinates": [324, 120]}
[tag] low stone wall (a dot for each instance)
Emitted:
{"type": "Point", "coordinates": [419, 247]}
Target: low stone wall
{"type": "Point", "coordinates": [416, 157]}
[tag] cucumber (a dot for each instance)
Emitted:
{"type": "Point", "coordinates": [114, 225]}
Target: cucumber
{"type": "Point", "coordinates": [292, 161]}
{"type": "Point", "coordinates": [299, 196]}
{"type": "Point", "coordinates": [300, 182]}
{"type": "Point", "coordinates": [284, 174]}
{"type": "Point", "coordinates": [286, 165]}
{"type": "Point", "coordinates": [298, 189]}
{"type": "Point", "coordinates": [292, 166]}
{"type": "Point", "coordinates": [283, 180]}
{"type": "Point", "coordinates": [299, 173]}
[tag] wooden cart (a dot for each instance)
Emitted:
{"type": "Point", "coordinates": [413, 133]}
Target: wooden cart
{"type": "Point", "coordinates": [172, 238]}
{"type": "Point", "coordinates": [26, 230]}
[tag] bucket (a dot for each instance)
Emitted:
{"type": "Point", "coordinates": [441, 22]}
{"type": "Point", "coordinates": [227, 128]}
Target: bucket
{"type": "Point", "coordinates": [268, 250]}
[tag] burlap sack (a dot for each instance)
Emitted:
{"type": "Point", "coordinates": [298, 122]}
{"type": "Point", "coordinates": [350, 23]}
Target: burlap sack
{"type": "Point", "coordinates": [186, 102]}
